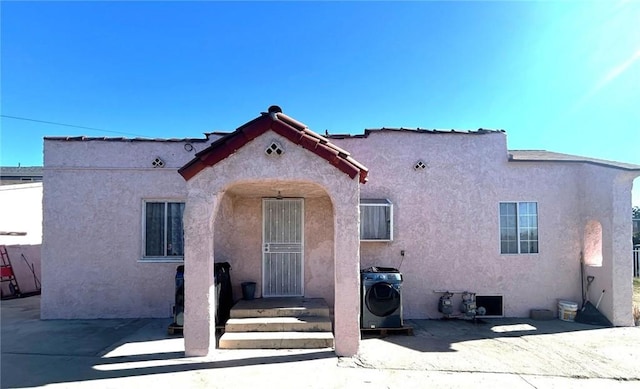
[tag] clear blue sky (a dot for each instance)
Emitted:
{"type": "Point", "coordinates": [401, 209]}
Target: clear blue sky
{"type": "Point", "coordinates": [558, 76]}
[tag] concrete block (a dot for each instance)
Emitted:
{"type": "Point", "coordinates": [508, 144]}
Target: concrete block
{"type": "Point", "coordinates": [541, 314]}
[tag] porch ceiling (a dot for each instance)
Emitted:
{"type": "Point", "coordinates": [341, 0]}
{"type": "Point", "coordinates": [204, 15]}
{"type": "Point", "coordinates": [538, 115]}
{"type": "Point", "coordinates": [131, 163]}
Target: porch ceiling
{"type": "Point", "coordinates": [271, 189]}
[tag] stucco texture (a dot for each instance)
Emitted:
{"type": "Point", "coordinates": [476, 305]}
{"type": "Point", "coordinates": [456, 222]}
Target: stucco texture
{"type": "Point", "coordinates": [446, 219]}
{"type": "Point", "coordinates": [606, 196]}
{"type": "Point", "coordinates": [92, 220]}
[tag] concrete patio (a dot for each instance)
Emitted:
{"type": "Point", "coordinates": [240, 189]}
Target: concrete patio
{"type": "Point", "coordinates": [518, 353]}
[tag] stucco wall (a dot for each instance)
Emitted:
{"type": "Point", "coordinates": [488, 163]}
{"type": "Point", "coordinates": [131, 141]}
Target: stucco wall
{"type": "Point", "coordinates": [606, 199]}
{"type": "Point", "coordinates": [319, 271]}
{"type": "Point", "coordinates": [238, 240]}
{"type": "Point", "coordinates": [446, 219]}
{"type": "Point", "coordinates": [92, 220]}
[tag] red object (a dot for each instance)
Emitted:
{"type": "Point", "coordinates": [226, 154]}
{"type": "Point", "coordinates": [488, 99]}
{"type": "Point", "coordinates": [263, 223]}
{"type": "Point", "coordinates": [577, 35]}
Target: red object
{"type": "Point", "coordinates": [6, 271]}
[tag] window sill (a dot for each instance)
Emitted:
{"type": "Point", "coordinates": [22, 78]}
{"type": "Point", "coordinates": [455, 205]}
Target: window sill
{"type": "Point", "coordinates": [376, 240]}
{"type": "Point", "coordinates": [176, 259]}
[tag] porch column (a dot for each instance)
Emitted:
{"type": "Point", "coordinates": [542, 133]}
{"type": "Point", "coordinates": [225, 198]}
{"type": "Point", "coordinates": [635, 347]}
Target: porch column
{"type": "Point", "coordinates": [347, 274]}
{"type": "Point", "coordinates": [199, 288]}
{"type": "Point", "coordinates": [622, 251]}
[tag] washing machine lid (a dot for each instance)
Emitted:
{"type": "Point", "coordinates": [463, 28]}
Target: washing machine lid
{"type": "Point", "coordinates": [380, 269]}
{"type": "Point", "coordinates": [394, 278]}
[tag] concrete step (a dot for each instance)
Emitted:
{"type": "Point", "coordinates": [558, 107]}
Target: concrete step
{"type": "Point", "coordinates": [280, 307]}
{"type": "Point", "coordinates": [282, 324]}
{"type": "Point", "coordinates": [275, 340]}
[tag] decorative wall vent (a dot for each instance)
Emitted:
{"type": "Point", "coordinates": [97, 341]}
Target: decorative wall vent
{"type": "Point", "coordinates": [420, 165]}
{"type": "Point", "coordinates": [274, 149]}
{"type": "Point", "coordinates": [157, 162]}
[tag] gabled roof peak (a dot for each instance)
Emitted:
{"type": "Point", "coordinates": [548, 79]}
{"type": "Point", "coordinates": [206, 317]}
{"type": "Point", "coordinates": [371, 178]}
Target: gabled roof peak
{"type": "Point", "coordinates": [278, 122]}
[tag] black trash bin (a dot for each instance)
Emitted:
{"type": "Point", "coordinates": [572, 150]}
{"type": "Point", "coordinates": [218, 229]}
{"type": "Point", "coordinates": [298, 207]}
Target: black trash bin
{"type": "Point", "coordinates": [248, 290]}
{"type": "Point", "coordinates": [178, 310]}
{"type": "Point", "coordinates": [222, 280]}
{"type": "Point", "coordinates": [225, 297]}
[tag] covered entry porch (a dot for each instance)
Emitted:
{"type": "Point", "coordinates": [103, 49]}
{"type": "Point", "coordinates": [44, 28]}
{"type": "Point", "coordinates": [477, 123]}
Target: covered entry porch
{"type": "Point", "coordinates": [279, 235]}
{"type": "Point", "coordinates": [234, 186]}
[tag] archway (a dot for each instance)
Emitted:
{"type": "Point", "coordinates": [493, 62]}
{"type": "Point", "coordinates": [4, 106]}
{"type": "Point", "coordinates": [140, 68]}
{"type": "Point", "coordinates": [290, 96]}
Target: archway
{"type": "Point", "coordinates": [239, 227]}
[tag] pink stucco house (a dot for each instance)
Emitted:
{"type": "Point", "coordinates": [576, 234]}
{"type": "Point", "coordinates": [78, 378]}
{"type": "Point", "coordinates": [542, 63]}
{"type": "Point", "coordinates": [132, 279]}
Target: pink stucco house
{"type": "Point", "coordinates": [456, 210]}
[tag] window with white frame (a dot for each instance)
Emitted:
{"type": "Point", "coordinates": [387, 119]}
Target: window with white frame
{"type": "Point", "coordinates": [163, 229]}
{"type": "Point", "coordinates": [518, 228]}
{"type": "Point", "coordinates": [376, 220]}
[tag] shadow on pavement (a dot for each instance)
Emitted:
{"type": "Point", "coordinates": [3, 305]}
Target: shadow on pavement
{"type": "Point", "coordinates": [93, 369]}
{"type": "Point", "coordinates": [37, 352]}
{"type": "Point", "coordinates": [516, 346]}
{"type": "Point", "coordinates": [436, 335]}
{"type": "Point", "coordinates": [40, 352]}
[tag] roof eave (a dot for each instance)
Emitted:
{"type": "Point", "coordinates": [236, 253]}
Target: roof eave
{"type": "Point", "coordinates": [576, 161]}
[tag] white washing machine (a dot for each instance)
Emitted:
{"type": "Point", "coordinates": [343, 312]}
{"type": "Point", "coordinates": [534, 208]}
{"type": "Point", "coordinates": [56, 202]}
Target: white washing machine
{"type": "Point", "coordinates": [381, 298]}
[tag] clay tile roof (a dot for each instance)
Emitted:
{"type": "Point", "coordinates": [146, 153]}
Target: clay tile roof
{"type": "Point", "coordinates": [83, 138]}
{"type": "Point", "coordinates": [285, 126]}
{"type": "Point", "coordinates": [369, 131]}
